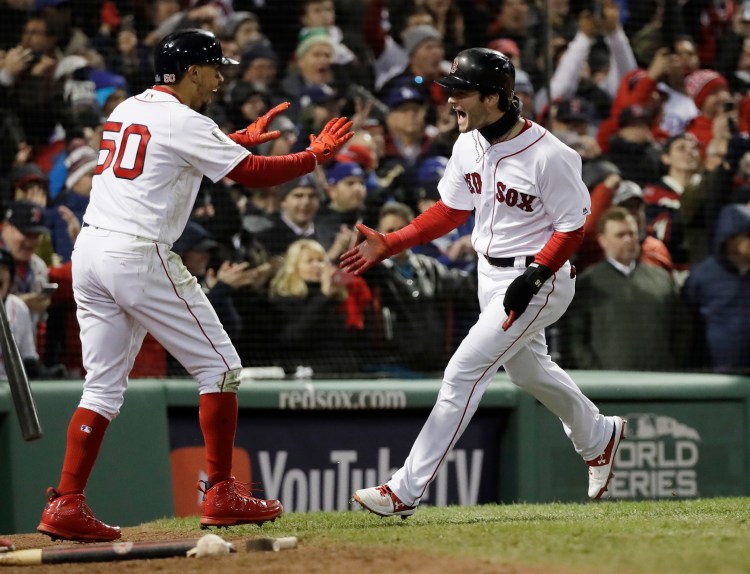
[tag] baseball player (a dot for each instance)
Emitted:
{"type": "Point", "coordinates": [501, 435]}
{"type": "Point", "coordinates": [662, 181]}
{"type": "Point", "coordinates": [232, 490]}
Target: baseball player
{"type": "Point", "coordinates": [155, 149]}
{"type": "Point", "coordinates": [530, 206]}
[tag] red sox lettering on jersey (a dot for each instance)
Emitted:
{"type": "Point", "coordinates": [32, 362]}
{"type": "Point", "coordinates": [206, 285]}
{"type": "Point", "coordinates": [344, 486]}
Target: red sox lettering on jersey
{"type": "Point", "coordinates": [504, 194]}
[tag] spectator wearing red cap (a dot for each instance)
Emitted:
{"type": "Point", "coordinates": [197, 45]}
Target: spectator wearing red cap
{"type": "Point", "coordinates": [710, 92]}
{"type": "Point", "coordinates": [509, 48]}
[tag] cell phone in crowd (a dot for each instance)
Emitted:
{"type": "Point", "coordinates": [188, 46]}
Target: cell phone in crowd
{"type": "Point", "coordinates": [49, 288]}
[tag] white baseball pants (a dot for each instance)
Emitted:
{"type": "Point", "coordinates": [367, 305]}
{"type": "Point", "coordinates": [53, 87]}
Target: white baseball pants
{"type": "Point", "coordinates": [523, 351]}
{"type": "Point", "coordinates": [125, 286]}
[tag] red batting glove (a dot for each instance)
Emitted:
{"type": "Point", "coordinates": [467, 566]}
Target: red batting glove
{"type": "Point", "coordinates": [372, 247]}
{"type": "Point", "coordinates": [325, 145]}
{"type": "Point", "coordinates": [255, 133]}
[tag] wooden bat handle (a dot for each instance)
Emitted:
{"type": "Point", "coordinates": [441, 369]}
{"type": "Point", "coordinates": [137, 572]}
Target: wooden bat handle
{"type": "Point", "coordinates": [21, 557]}
{"type": "Point", "coordinates": [271, 544]}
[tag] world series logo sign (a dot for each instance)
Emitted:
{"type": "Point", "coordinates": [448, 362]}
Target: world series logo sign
{"type": "Point", "coordinates": [657, 460]}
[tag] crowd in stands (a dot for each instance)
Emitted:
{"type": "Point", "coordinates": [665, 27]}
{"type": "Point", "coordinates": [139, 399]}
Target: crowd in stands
{"type": "Point", "coordinates": [653, 94]}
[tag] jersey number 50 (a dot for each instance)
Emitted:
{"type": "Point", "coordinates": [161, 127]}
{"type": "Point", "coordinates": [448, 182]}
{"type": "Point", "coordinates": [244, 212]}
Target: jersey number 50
{"type": "Point", "coordinates": [111, 147]}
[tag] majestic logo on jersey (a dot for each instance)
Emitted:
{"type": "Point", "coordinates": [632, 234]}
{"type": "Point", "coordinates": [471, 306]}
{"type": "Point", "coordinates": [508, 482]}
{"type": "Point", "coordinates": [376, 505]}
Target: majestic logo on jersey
{"type": "Point", "coordinates": [221, 136]}
{"type": "Point", "coordinates": [473, 182]}
{"type": "Point", "coordinates": [513, 198]}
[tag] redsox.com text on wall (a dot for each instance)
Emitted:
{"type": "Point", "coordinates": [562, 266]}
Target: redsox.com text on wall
{"type": "Point", "coordinates": [311, 399]}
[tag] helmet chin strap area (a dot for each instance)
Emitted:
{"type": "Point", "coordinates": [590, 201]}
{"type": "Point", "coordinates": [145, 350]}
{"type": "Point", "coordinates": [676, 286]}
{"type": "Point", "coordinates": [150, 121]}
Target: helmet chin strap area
{"type": "Point", "coordinates": [501, 127]}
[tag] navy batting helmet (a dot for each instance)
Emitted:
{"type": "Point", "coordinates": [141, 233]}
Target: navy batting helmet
{"type": "Point", "coordinates": [485, 70]}
{"type": "Point", "coordinates": [180, 50]}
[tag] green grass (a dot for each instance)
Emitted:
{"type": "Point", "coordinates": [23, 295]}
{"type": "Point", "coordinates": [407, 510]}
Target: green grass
{"type": "Point", "coordinates": [665, 537]}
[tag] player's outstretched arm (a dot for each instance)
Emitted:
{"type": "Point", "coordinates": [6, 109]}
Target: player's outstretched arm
{"type": "Point", "coordinates": [256, 133]}
{"type": "Point", "coordinates": [433, 223]}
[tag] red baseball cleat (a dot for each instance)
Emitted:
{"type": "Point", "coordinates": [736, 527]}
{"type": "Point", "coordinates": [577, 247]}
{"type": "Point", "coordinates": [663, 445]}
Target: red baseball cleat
{"type": "Point", "coordinates": [67, 517]}
{"type": "Point", "coordinates": [229, 502]}
{"type": "Point", "coordinates": [6, 545]}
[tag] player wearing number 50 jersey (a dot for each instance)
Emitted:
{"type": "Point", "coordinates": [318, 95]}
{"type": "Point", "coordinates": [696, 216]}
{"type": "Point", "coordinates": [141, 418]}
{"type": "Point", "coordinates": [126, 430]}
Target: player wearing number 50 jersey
{"type": "Point", "coordinates": [530, 206]}
{"type": "Point", "coordinates": [156, 147]}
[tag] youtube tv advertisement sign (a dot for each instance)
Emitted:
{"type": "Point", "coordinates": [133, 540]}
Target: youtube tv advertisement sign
{"type": "Point", "coordinates": [313, 460]}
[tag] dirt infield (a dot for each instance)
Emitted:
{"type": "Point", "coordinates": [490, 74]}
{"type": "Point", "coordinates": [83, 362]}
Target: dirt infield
{"type": "Point", "coordinates": [306, 558]}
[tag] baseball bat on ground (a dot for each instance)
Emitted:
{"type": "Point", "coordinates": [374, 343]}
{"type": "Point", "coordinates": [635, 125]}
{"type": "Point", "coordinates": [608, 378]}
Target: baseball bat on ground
{"type": "Point", "coordinates": [18, 381]}
{"type": "Point", "coordinates": [110, 552]}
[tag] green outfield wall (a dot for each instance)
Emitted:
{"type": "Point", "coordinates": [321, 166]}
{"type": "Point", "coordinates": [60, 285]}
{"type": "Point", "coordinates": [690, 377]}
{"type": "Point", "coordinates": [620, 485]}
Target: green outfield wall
{"type": "Point", "coordinates": [311, 443]}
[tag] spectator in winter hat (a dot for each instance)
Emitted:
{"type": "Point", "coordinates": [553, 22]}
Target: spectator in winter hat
{"type": "Point", "coordinates": [710, 92]}
{"type": "Point", "coordinates": [424, 46]}
{"type": "Point", "coordinates": [81, 163]}
{"type": "Point", "coordinates": [259, 65]}
{"type": "Point", "coordinates": [313, 61]}
{"type": "Point", "coordinates": [65, 215]}
{"type": "Point", "coordinates": [418, 35]}
{"type": "Point", "coordinates": [244, 28]}
{"type": "Point", "coordinates": [702, 85]}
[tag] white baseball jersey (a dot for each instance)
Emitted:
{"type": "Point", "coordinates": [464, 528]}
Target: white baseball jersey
{"type": "Point", "coordinates": [523, 190]}
{"type": "Point", "coordinates": [126, 279]}
{"type": "Point", "coordinates": [154, 153]}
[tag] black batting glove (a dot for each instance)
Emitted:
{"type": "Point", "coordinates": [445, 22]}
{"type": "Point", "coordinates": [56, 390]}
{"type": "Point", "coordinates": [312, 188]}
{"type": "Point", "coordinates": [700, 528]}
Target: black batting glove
{"type": "Point", "coordinates": [522, 289]}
